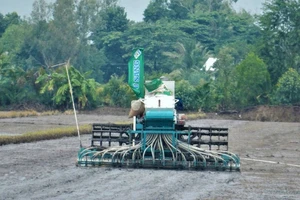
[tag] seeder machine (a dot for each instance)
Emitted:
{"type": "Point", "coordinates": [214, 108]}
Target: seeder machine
{"type": "Point", "coordinates": [158, 136]}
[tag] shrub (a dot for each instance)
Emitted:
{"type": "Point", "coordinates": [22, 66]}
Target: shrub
{"type": "Point", "coordinates": [288, 88]}
{"type": "Point", "coordinates": [117, 93]}
{"type": "Point", "coordinates": [253, 81]}
{"type": "Point", "coordinates": [187, 93]}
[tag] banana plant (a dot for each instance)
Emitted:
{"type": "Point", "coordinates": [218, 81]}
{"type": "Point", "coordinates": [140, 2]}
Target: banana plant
{"type": "Point", "coordinates": [56, 83]}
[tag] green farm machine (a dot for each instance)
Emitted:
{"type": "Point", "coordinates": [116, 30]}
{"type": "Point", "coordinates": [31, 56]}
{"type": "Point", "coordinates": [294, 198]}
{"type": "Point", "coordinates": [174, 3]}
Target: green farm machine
{"type": "Point", "coordinates": [158, 136]}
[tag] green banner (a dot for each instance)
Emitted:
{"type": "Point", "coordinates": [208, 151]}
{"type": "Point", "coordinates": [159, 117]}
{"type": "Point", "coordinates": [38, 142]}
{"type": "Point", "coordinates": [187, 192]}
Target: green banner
{"type": "Point", "coordinates": [136, 73]}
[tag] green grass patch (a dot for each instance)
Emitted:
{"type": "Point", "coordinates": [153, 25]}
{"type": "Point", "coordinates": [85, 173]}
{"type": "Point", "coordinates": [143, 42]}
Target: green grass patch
{"type": "Point", "coordinates": [44, 135]}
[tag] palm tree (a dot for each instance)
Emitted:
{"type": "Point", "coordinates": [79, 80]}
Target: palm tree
{"type": "Point", "coordinates": [190, 57]}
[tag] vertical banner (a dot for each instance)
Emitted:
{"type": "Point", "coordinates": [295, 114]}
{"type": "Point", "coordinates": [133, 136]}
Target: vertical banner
{"type": "Point", "coordinates": [136, 72]}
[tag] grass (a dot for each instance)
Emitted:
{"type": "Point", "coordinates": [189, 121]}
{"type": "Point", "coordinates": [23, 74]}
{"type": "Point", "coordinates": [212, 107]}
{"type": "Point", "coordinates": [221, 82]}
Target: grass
{"type": "Point", "coordinates": [57, 132]}
{"type": "Point", "coordinates": [31, 113]}
{"type": "Point", "coordinates": [198, 115]}
{"type": "Point", "coordinates": [44, 135]}
{"type": "Point", "coordinates": [14, 114]}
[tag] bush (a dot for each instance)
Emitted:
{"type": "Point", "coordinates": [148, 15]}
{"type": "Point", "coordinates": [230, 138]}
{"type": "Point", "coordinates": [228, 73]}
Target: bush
{"type": "Point", "coordinates": [187, 93]}
{"type": "Point", "coordinates": [207, 97]}
{"type": "Point", "coordinates": [252, 82]}
{"type": "Point", "coordinates": [288, 88]}
{"type": "Point", "coordinates": [117, 93]}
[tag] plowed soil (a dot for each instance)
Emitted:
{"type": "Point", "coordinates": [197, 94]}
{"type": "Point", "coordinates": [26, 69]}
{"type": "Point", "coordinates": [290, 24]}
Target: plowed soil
{"type": "Point", "coordinates": [269, 151]}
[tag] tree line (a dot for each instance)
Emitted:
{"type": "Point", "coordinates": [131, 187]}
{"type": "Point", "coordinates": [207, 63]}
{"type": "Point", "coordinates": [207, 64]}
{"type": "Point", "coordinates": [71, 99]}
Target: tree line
{"type": "Point", "coordinates": [257, 55]}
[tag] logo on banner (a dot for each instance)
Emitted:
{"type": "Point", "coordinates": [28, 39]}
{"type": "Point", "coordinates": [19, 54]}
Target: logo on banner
{"type": "Point", "coordinates": [137, 54]}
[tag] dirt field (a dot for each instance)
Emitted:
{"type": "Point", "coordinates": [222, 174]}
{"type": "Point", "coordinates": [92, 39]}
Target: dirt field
{"type": "Point", "coordinates": [46, 169]}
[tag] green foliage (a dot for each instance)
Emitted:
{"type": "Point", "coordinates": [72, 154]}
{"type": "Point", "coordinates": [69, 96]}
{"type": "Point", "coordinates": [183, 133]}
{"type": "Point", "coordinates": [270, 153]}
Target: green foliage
{"type": "Point", "coordinates": [156, 10]}
{"type": "Point", "coordinates": [188, 55]}
{"type": "Point", "coordinates": [8, 20]}
{"type": "Point", "coordinates": [107, 35]}
{"type": "Point", "coordinates": [224, 87]}
{"type": "Point", "coordinates": [14, 84]}
{"type": "Point", "coordinates": [187, 93]}
{"type": "Point", "coordinates": [179, 9]}
{"type": "Point", "coordinates": [252, 81]}
{"type": "Point", "coordinates": [110, 45]}
{"type": "Point", "coordinates": [161, 37]}
{"type": "Point", "coordinates": [117, 92]}
{"type": "Point", "coordinates": [12, 42]}
{"type": "Point", "coordinates": [56, 83]}
{"type": "Point", "coordinates": [207, 96]}
{"type": "Point", "coordinates": [281, 36]}
{"type": "Point", "coordinates": [177, 36]}
{"type": "Point", "coordinates": [216, 29]}
{"type": "Point", "coordinates": [114, 18]}
{"type": "Point", "coordinates": [175, 75]}
{"type": "Point", "coordinates": [288, 88]}
{"type": "Point", "coordinates": [55, 41]}
{"type": "Point", "coordinates": [92, 60]}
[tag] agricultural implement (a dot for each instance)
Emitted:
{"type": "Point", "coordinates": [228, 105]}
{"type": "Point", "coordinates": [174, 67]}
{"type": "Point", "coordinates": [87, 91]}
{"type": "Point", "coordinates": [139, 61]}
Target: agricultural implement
{"type": "Point", "coordinates": [158, 136]}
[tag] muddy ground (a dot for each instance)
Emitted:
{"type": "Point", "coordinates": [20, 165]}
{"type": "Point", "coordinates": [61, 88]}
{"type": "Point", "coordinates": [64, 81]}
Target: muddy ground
{"type": "Point", "coordinates": [46, 169]}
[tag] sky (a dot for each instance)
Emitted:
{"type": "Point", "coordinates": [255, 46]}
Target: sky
{"type": "Point", "coordinates": [134, 8]}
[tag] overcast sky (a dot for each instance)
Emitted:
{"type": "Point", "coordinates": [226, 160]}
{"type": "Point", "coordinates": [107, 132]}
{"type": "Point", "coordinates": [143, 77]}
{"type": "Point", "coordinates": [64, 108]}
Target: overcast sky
{"type": "Point", "coordinates": [134, 8]}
